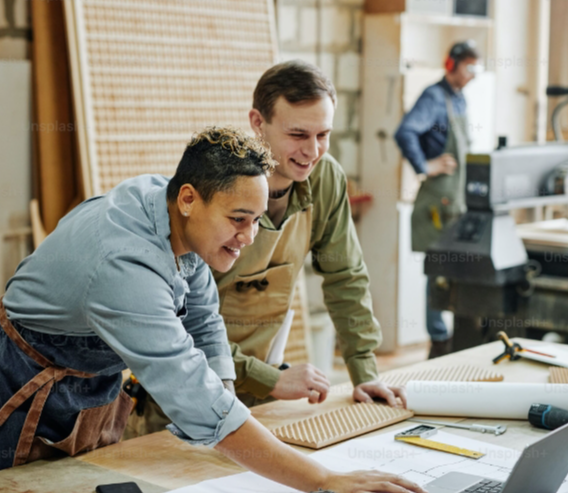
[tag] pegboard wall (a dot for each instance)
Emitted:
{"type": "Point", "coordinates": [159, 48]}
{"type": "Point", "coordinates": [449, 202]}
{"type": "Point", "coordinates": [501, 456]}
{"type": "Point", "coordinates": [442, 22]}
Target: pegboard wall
{"type": "Point", "coordinates": [148, 73]}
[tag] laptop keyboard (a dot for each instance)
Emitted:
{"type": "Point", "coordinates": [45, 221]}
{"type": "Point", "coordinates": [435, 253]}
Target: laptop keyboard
{"type": "Point", "coordinates": [485, 486]}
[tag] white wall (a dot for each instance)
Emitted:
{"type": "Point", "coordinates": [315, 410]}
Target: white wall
{"type": "Point", "coordinates": [15, 163]}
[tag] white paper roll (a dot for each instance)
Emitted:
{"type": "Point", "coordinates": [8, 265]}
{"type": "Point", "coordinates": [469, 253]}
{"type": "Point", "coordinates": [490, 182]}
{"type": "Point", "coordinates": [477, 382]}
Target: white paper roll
{"type": "Point", "coordinates": [483, 399]}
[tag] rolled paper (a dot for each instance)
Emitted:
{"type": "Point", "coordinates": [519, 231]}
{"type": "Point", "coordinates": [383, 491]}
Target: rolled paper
{"type": "Point", "coordinates": [482, 399]}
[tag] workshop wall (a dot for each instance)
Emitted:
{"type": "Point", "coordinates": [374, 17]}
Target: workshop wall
{"type": "Point", "coordinates": [558, 68]}
{"type": "Point", "coordinates": [15, 136]}
{"type": "Point", "coordinates": [14, 29]}
{"type": "Point", "coordinates": [328, 34]}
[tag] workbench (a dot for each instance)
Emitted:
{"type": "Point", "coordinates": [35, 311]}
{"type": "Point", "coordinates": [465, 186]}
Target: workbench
{"type": "Point", "coordinates": [160, 462]}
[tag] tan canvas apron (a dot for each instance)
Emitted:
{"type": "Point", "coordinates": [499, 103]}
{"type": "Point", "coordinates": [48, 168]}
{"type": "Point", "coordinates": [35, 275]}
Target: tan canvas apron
{"type": "Point", "coordinates": [441, 199]}
{"type": "Point", "coordinates": [256, 294]}
{"type": "Point", "coordinates": [94, 428]}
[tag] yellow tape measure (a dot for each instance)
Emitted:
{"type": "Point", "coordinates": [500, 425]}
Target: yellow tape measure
{"type": "Point", "coordinates": [418, 436]}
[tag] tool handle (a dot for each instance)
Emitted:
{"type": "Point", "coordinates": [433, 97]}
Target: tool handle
{"type": "Point", "coordinates": [482, 428]}
{"type": "Point", "coordinates": [505, 338]}
{"type": "Point", "coordinates": [500, 358]}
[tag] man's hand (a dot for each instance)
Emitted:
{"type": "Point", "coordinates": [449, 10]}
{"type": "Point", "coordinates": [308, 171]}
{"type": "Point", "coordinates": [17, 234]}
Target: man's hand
{"type": "Point", "coordinates": [302, 381]}
{"type": "Point", "coordinates": [365, 392]}
{"type": "Point", "coordinates": [443, 165]}
{"type": "Point", "coordinates": [366, 481]}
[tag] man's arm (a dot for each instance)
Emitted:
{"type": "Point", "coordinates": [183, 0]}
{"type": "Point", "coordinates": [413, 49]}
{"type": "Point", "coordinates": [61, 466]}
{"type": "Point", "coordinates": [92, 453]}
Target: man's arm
{"type": "Point", "coordinates": [253, 375]}
{"type": "Point", "coordinates": [338, 258]}
{"type": "Point", "coordinates": [419, 120]}
{"type": "Point", "coordinates": [262, 380]}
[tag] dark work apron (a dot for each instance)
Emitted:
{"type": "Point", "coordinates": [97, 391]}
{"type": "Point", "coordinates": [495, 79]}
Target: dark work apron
{"type": "Point", "coordinates": [441, 199]}
{"type": "Point", "coordinates": [48, 408]}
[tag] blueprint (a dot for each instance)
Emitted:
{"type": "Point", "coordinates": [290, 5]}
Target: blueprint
{"type": "Point", "coordinates": [385, 454]}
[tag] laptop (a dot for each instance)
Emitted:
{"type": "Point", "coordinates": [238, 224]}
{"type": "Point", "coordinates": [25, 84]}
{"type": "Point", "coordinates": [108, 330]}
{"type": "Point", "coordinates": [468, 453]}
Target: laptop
{"type": "Point", "coordinates": [542, 468]}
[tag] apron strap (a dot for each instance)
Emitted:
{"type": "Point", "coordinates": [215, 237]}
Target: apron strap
{"type": "Point", "coordinates": [19, 341]}
{"type": "Point", "coordinates": [40, 385]}
{"type": "Point", "coordinates": [30, 424]}
{"type": "Point", "coordinates": [450, 109]}
{"type": "Point", "coordinates": [461, 134]}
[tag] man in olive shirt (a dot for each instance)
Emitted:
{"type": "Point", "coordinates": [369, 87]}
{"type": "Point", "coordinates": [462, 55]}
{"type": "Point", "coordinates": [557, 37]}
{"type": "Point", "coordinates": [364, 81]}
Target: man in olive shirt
{"type": "Point", "coordinates": [308, 211]}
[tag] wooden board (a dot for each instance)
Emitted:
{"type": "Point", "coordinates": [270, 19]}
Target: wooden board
{"type": "Point", "coordinates": [57, 180]}
{"type": "Point", "coordinates": [558, 375]}
{"type": "Point", "coordinates": [148, 73]}
{"type": "Point", "coordinates": [464, 373]}
{"type": "Point", "coordinates": [341, 424]}
{"type": "Point", "coordinates": [384, 6]}
{"type": "Point", "coordinates": [298, 348]}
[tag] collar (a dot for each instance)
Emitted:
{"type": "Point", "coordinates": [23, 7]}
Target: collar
{"type": "Point", "coordinates": [300, 199]}
{"type": "Point", "coordinates": [161, 218]}
{"type": "Point", "coordinates": [448, 88]}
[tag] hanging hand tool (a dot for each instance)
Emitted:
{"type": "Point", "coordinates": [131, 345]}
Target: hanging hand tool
{"type": "Point", "coordinates": [137, 393]}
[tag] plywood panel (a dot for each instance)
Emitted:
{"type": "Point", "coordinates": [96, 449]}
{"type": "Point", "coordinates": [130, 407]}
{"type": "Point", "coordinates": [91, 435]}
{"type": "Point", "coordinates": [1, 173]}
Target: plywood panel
{"type": "Point", "coordinates": [53, 128]}
{"type": "Point", "coordinates": [298, 346]}
{"type": "Point", "coordinates": [384, 6]}
{"type": "Point", "coordinates": [380, 173]}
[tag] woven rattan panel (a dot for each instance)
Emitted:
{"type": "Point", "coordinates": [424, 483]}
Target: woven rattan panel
{"type": "Point", "coordinates": [449, 374]}
{"type": "Point", "coordinates": [148, 73]}
{"type": "Point", "coordinates": [558, 375]}
{"type": "Point", "coordinates": [341, 424]}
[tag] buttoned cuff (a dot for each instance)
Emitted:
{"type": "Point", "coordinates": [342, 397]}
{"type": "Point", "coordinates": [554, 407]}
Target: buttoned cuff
{"type": "Point", "coordinates": [232, 413]}
{"type": "Point", "coordinates": [260, 380]}
{"type": "Point", "coordinates": [362, 369]}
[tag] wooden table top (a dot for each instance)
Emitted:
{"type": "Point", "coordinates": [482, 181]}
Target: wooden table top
{"type": "Point", "coordinates": [160, 462]}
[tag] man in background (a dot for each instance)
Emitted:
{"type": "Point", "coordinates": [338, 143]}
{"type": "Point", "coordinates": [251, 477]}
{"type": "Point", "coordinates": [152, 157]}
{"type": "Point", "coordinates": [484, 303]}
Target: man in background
{"type": "Point", "coordinates": [434, 138]}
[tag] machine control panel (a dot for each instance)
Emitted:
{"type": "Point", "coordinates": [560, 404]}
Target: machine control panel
{"type": "Point", "coordinates": [471, 227]}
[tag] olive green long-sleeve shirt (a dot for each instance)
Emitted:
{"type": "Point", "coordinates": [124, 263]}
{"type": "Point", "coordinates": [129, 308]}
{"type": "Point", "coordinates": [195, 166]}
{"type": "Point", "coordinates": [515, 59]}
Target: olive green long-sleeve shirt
{"type": "Point", "coordinates": [338, 258]}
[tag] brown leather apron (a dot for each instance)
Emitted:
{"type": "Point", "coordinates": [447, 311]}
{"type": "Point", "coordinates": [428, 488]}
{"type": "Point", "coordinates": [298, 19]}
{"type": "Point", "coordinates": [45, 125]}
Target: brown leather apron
{"type": "Point", "coordinates": [94, 428]}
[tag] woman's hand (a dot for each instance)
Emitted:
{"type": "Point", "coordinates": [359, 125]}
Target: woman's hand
{"type": "Point", "coordinates": [371, 482]}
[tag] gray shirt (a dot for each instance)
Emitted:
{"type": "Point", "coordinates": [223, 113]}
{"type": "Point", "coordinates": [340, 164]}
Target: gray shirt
{"type": "Point", "coordinates": [108, 270]}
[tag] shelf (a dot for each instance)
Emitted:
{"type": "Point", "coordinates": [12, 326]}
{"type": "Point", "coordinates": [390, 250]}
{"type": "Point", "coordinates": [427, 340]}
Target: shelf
{"type": "Point", "coordinates": [405, 70]}
{"type": "Point", "coordinates": [445, 20]}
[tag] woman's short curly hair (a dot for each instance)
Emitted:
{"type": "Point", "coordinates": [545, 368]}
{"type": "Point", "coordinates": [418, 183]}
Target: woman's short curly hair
{"type": "Point", "coordinates": [216, 157]}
